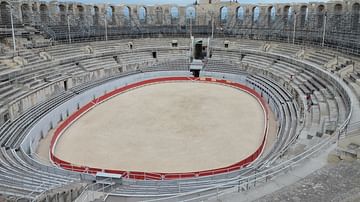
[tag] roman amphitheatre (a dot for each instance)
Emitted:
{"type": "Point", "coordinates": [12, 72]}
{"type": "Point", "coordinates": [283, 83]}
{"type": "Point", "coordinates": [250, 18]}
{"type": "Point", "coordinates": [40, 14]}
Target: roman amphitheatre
{"type": "Point", "coordinates": [212, 101]}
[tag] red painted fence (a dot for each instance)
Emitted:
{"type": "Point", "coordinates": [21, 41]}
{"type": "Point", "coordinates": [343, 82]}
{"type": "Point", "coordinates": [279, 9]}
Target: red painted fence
{"type": "Point", "coordinates": [156, 175]}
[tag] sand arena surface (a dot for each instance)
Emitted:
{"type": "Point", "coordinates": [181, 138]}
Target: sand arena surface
{"type": "Point", "coordinates": [167, 127]}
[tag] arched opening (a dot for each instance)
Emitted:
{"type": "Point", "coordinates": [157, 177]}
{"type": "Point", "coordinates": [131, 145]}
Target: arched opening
{"type": "Point", "coordinates": [62, 14]}
{"type": "Point", "coordinates": [355, 18]}
{"type": "Point", "coordinates": [303, 15]}
{"type": "Point", "coordinates": [320, 12]}
{"type": "Point", "coordinates": [271, 15]}
{"type": "Point", "coordinates": [337, 9]}
{"type": "Point", "coordinates": [80, 10]}
{"type": "Point", "coordinates": [223, 15]}
{"type": "Point", "coordinates": [174, 13]}
{"type": "Point", "coordinates": [240, 15]}
{"type": "Point", "coordinates": [190, 14]}
{"type": "Point", "coordinates": [44, 13]}
{"type": "Point", "coordinates": [199, 52]}
{"type": "Point", "coordinates": [159, 15]}
{"type": "Point", "coordinates": [142, 14]}
{"type": "Point", "coordinates": [25, 13]}
{"type": "Point", "coordinates": [5, 12]}
{"type": "Point", "coordinates": [337, 16]}
{"type": "Point", "coordinates": [127, 14]}
{"type": "Point", "coordinates": [110, 15]}
{"type": "Point", "coordinates": [255, 15]}
{"type": "Point", "coordinates": [287, 15]}
{"type": "Point", "coordinates": [96, 15]}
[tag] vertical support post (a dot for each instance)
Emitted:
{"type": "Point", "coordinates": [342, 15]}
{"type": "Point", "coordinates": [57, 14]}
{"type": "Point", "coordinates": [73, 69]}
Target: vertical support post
{"type": "Point", "coordinates": [324, 31]}
{"type": "Point", "coordinates": [106, 31]}
{"type": "Point", "coordinates": [208, 49]}
{"type": "Point", "coordinates": [294, 31]}
{"type": "Point", "coordinates": [68, 22]}
{"type": "Point", "coordinates": [190, 24]}
{"type": "Point", "coordinates": [12, 29]}
{"type": "Point", "coordinates": [212, 27]}
{"type": "Point", "coordinates": [255, 178]}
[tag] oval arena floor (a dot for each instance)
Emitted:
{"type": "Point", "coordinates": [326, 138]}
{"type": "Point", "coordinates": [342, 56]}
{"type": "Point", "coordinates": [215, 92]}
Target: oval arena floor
{"type": "Point", "coordinates": [167, 127]}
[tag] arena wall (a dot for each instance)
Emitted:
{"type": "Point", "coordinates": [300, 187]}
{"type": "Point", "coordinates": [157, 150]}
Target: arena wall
{"type": "Point", "coordinates": [156, 175]}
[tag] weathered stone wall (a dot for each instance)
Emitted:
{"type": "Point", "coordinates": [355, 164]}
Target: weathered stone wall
{"type": "Point", "coordinates": [55, 12]}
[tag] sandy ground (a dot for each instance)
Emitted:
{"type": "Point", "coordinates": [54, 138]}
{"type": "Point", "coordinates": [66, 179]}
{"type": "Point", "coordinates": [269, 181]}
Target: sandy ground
{"type": "Point", "coordinates": [168, 127]}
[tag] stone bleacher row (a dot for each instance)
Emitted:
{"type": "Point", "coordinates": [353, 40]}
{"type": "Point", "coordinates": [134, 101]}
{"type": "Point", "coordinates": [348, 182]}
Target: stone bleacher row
{"type": "Point", "coordinates": [326, 101]}
{"type": "Point", "coordinates": [328, 106]}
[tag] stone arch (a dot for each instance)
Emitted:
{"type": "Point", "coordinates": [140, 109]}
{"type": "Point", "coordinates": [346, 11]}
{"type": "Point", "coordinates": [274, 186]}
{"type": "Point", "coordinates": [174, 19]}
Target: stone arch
{"type": "Point", "coordinates": [127, 13]}
{"type": "Point", "coordinates": [355, 15]}
{"type": "Point", "coordinates": [62, 14]}
{"type": "Point", "coordinates": [320, 12]}
{"type": "Point", "coordinates": [110, 14]}
{"type": "Point", "coordinates": [240, 14]}
{"type": "Point", "coordinates": [223, 15]}
{"type": "Point", "coordinates": [44, 13]}
{"type": "Point", "coordinates": [80, 11]}
{"type": "Point", "coordinates": [190, 14]}
{"type": "Point", "coordinates": [255, 15]}
{"type": "Point", "coordinates": [287, 15]}
{"type": "Point", "coordinates": [25, 13]}
{"type": "Point", "coordinates": [304, 11]}
{"type": "Point", "coordinates": [142, 12]}
{"type": "Point", "coordinates": [271, 12]}
{"type": "Point", "coordinates": [174, 13]}
{"type": "Point", "coordinates": [336, 18]}
{"type": "Point", "coordinates": [5, 12]}
{"type": "Point", "coordinates": [338, 8]}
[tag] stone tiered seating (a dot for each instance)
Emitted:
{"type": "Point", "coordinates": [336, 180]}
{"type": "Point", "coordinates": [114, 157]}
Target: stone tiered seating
{"type": "Point", "coordinates": [4, 68]}
{"type": "Point", "coordinates": [329, 108]}
{"type": "Point", "coordinates": [31, 57]}
{"type": "Point", "coordinates": [285, 49]}
{"type": "Point", "coordinates": [353, 84]}
{"type": "Point", "coordinates": [319, 57]}
{"type": "Point", "coordinates": [257, 61]}
{"type": "Point", "coordinates": [100, 47]}
{"type": "Point", "coordinates": [168, 65]}
{"type": "Point", "coordinates": [247, 44]}
{"type": "Point", "coordinates": [217, 65]}
{"type": "Point", "coordinates": [61, 52]}
{"type": "Point", "coordinates": [8, 92]}
{"type": "Point", "coordinates": [25, 180]}
{"type": "Point", "coordinates": [322, 97]}
{"type": "Point", "coordinates": [98, 63]}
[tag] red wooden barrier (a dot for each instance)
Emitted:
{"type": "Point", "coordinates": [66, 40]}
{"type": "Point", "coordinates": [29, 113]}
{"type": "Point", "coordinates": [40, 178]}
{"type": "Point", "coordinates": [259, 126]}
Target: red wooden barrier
{"type": "Point", "coordinates": [155, 175]}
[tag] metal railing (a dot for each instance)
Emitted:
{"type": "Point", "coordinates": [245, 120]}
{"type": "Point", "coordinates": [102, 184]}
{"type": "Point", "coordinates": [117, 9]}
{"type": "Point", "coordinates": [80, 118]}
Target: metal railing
{"type": "Point", "coordinates": [96, 190]}
{"type": "Point", "coordinates": [335, 31]}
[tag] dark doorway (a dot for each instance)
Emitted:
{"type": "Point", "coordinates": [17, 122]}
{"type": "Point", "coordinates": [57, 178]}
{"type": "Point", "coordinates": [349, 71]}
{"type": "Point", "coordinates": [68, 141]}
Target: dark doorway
{"type": "Point", "coordinates": [196, 73]}
{"type": "Point", "coordinates": [6, 117]}
{"type": "Point", "coordinates": [198, 54]}
{"type": "Point", "coordinates": [65, 85]}
{"type": "Point", "coordinates": [154, 54]}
